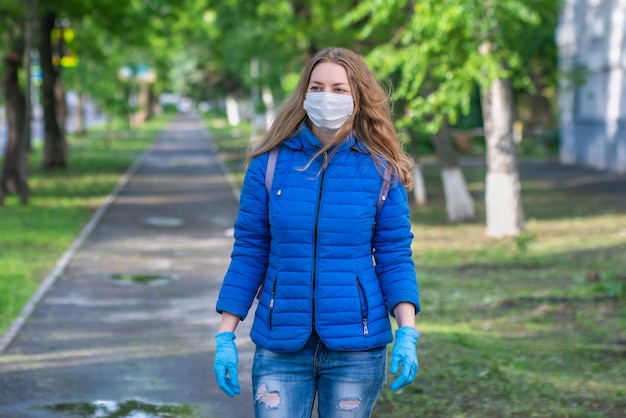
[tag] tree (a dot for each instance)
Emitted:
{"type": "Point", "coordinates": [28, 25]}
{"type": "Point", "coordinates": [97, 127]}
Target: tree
{"type": "Point", "coordinates": [55, 142]}
{"type": "Point", "coordinates": [459, 202]}
{"type": "Point", "coordinates": [442, 51]}
{"type": "Point", "coordinates": [275, 37]}
{"type": "Point", "coordinates": [121, 23]}
{"type": "Point", "coordinates": [14, 173]}
{"type": "Point", "coordinates": [396, 58]}
{"type": "Point", "coordinates": [55, 20]}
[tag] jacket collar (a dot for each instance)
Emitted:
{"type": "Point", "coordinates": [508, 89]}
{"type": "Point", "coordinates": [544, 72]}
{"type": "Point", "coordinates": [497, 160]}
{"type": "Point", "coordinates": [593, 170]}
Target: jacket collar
{"type": "Point", "coordinates": [306, 140]}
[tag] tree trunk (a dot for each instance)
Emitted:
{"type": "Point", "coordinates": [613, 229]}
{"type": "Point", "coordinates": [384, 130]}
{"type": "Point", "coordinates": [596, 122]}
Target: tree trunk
{"type": "Point", "coordinates": [80, 115]}
{"type": "Point", "coordinates": [270, 107]}
{"type": "Point", "coordinates": [232, 110]}
{"type": "Point", "coordinates": [55, 146]}
{"type": "Point", "coordinates": [419, 186]}
{"type": "Point", "coordinates": [28, 106]}
{"type": "Point", "coordinates": [459, 203]}
{"type": "Point", "coordinates": [60, 103]}
{"type": "Point", "coordinates": [152, 103]}
{"type": "Point", "coordinates": [503, 200]}
{"type": "Point", "coordinates": [143, 104]}
{"type": "Point", "coordinates": [14, 172]}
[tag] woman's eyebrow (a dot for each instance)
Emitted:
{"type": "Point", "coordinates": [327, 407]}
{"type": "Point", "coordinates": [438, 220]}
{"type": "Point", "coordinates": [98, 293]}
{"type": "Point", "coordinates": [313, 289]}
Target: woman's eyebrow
{"type": "Point", "coordinates": [341, 83]}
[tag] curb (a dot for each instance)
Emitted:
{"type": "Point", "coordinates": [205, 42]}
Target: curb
{"type": "Point", "coordinates": [65, 259]}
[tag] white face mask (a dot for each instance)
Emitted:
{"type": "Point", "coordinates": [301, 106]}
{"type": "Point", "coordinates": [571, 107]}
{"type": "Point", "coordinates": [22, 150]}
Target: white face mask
{"type": "Point", "coordinates": [328, 111]}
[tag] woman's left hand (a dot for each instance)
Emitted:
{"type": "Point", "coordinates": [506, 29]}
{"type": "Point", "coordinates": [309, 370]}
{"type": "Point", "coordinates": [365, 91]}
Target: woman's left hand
{"type": "Point", "coordinates": [405, 352]}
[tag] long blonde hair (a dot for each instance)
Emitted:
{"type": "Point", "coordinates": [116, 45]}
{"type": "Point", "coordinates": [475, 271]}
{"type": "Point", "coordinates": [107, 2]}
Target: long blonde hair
{"type": "Point", "coordinates": [370, 122]}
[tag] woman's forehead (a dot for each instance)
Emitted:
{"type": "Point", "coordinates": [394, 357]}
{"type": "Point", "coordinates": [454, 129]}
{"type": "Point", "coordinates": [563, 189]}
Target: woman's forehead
{"type": "Point", "coordinates": [329, 72]}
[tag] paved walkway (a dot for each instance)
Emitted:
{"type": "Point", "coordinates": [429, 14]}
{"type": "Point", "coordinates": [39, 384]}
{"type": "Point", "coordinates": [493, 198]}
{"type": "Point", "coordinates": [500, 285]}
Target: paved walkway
{"type": "Point", "coordinates": [604, 185]}
{"type": "Point", "coordinates": [99, 345]}
{"type": "Point", "coordinates": [610, 187]}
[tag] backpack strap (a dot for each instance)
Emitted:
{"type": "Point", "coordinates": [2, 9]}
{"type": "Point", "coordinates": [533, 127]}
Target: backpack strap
{"type": "Point", "coordinates": [384, 189]}
{"type": "Point", "coordinates": [269, 179]}
{"type": "Point", "coordinates": [271, 167]}
{"type": "Point", "coordinates": [382, 194]}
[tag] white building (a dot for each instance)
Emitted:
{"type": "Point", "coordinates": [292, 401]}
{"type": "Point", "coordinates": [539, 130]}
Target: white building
{"type": "Point", "coordinates": [591, 37]}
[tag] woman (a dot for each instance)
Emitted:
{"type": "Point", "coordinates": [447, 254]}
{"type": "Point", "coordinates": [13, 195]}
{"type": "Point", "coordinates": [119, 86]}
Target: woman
{"type": "Point", "coordinates": [329, 265]}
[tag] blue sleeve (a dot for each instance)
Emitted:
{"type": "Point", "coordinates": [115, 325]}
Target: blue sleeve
{"type": "Point", "coordinates": [250, 253]}
{"type": "Point", "coordinates": [392, 250]}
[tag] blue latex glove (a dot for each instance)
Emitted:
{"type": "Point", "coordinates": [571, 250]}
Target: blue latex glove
{"type": "Point", "coordinates": [225, 365]}
{"type": "Point", "coordinates": [404, 351]}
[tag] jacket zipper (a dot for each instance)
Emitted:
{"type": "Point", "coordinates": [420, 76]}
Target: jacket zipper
{"type": "Point", "coordinates": [315, 231]}
{"type": "Point", "coordinates": [363, 305]}
{"type": "Point", "coordinates": [272, 300]}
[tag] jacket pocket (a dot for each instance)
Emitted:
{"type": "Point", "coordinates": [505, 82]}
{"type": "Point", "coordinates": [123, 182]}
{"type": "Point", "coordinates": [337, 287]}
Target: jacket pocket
{"type": "Point", "coordinates": [363, 305]}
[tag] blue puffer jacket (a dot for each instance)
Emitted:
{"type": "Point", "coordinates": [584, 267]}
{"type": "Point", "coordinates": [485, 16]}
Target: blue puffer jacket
{"type": "Point", "coordinates": [313, 253]}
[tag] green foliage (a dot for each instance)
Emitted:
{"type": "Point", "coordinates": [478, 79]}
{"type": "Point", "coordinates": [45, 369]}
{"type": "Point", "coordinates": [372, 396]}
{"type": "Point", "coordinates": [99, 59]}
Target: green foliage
{"type": "Point", "coordinates": [11, 16]}
{"type": "Point", "coordinates": [523, 241]}
{"type": "Point", "coordinates": [216, 43]}
{"type": "Point", "coordinates": [34, 237]}
{"type": "Point", "coordinates": [612, 284]}
{"type": "Point", "coordinates": [441, 50]}
{"type": "Point", "coordinates": [111, 34]}
{"type": "Point", "coordinates": [435, 53]}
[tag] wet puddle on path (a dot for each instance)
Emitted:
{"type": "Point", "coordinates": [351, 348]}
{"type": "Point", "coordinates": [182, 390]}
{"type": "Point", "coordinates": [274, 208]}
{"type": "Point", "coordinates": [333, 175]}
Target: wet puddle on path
{"type": "Point", "coordinates": [163, 221]}
{"type": "Point", "coordinates": [141, 279]}
{"type": "Point", "coordinates": [127, 409]}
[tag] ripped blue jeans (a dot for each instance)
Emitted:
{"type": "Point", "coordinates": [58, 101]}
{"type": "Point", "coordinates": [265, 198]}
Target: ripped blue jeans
{"type": "Point", "coordinates": [346, 383]}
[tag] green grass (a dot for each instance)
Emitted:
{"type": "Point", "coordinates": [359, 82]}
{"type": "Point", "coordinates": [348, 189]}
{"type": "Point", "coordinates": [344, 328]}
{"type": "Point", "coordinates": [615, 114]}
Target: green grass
{"type": "Point", "coordinates": [528, 327]}
{"type": "Point", "coordinates": [34, 237]}
{"type": "Point", "coordinates": [232, 144]}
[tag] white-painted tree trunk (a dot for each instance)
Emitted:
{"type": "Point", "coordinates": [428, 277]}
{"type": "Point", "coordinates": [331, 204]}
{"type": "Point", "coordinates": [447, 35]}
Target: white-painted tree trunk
{"type": "Point", "coordinates": [504, 206]}
{"type": "Point", "coordinates": [232, 110]}
{"type": "Point", "coordinates": [419, 187]}
{"type": "Point", "coordinates": [268, 101]}
{"type": "Point", "coordinates": [503, 202]}
{"type": "Point", "coordinates": [459, 202]}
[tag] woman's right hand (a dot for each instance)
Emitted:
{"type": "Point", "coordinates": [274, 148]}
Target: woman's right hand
{"type": "Point", "coordinates": [226, 362]}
